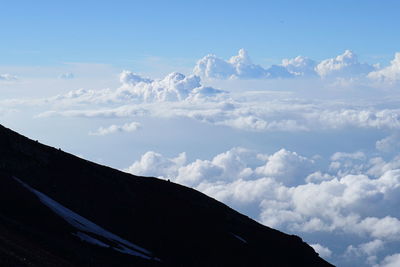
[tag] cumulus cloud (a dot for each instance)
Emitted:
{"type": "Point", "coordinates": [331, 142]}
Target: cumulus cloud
{"type": "Point", "coordinates": [8, 77]}
{"type": "Point", "coordinates": [389, 74]}
{"type": "Point", "coordinates": [213, 67]}
{"type": "Point", "coordinates": [155, 164]}
{"type": "Point", "coordinates": [318, 177]}
{"type": "Point", "coordinates": [127, 127]}
{"type": "Point", "coordinates": [324, 204]}
{"type": "Point", "coordinates": [369, 248]}
{"type": "Point", "coordinates": [385, 228]}
{"type": "Point", "coordinates": [225, 166]}
{"type": "Point", "coordinates": [285, 191]}
{"type": "Point", "coordinates": [391, 261]}
{"type": "Point", "coordinates": [244, 67]}
{"type": "Point", "coordinates": [324, 252]}
{"type": "Point", "coordinates": [128, 77]}
{"type": "Point", "coordinates": [239, 66]}
{"type": "Point", "coordinates": [173, 87]}
{"type": "Point", "coordinates": [344, 65]}
{"type": "Point", "coordinates": [300, 66]}
{"type": "Point", "coordinates": [287, 167]}
{"type": "Point", "coordinates": [367, 251]}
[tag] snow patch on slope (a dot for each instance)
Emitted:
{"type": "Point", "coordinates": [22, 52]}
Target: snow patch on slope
{"type": "Point", "coordinates": [90, 228]}
{"type": "Point", "coordinates": [240, 238]}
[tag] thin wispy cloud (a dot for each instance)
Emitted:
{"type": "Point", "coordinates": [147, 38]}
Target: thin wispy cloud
{"type": "Point", "coordinates": [8, 77]}
{"type": "Point", "coordinates": [127, 127]}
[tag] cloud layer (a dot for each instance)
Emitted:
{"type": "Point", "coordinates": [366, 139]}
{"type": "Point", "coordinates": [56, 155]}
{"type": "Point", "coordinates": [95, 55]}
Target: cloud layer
{"type": "Point", "coordinates": [358, 198]}
{"type": "Point", "coordinates": [180, 96]}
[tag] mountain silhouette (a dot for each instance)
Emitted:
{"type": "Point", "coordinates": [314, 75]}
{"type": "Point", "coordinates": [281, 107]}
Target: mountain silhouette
{"type": "Point", "coordinates": [57, 209]}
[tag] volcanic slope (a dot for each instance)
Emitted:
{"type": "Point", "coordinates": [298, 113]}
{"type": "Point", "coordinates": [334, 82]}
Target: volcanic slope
{"type": "Point", "coordinates": [57, 209]}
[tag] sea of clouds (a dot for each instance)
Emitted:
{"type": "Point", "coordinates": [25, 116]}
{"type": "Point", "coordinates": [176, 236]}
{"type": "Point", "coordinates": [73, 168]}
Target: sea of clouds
{"type": "Point", "coordinates": [344, 204]}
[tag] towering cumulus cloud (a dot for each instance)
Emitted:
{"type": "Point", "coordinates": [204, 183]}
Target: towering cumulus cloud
{"type": "Point", "coordinates": [391, 73]}
{"type": "Point", "coordinates": [344, 65]}
{"type": "Point", "coordinates": [240, 66]}
{"type": "Point", "coordinates": [300, 66]}
{"type": "Point", "coordinates": [174, 87]}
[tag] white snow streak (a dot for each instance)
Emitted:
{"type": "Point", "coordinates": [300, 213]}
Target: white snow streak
{"type": "Point", "coordinates": [87, 226]}
{"type": "Point", "coordinates": [240, 238]}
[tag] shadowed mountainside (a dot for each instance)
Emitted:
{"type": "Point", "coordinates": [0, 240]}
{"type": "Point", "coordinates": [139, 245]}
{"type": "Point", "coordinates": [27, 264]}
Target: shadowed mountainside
{"type": "Point", "coordinates": [60, 210]}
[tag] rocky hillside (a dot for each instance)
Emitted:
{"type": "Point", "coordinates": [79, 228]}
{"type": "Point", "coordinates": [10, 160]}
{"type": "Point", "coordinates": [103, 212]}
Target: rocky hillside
{"type": "Point", "coordinates": [60, 210]}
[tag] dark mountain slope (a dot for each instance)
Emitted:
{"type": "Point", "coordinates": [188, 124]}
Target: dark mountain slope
{"type": "Point", "coordinates": [44, 193]}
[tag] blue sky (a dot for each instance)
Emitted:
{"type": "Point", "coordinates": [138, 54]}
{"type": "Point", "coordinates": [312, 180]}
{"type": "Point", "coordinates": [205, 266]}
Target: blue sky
{"type": "Point", "coordinates": [51, 32]}
{"type": "Point", "coordinates": [287, 111]}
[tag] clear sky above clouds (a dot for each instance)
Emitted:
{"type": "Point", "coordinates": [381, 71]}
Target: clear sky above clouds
{"type": "Point", "coordinates": [117, 32]}
{"type": "Point", "coordinates": [288, 111]}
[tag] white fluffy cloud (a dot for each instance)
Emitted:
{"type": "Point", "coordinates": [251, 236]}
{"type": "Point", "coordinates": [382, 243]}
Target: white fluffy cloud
{"type": "Point", "coordinates": [324, 252]}
{"type": "Point", "coordinates": [213, 67]}
{"type": "Point", "coordinates": [287, 167]}
{"type": "Point", "coordinates": [344, 65]}
{"type": "Point", "coordinates": [127, 127]}
{"type": "Point", "coordinates": [284, 167]}
{"type": "Point", "coordinates": [239, 66]}
{"type": "Point", "coordinates": [128, 77]}
{"type": "Point", "coordinates": [300, 66]}
{"type": "Point", "coordinates": [367, 251]}
{"type": "Point", "coordinates": [389, 74]}
{"type": "Point", "coordinates": [173, 87]}
{"type": "Point", "coordinates": [369, 248]}
{"type": "Point", "coordinates": [283, 190]}
{"type": "Point", "coordinates": [391, 261]}
{"type": "Point", "coordinates": [154, 164]}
